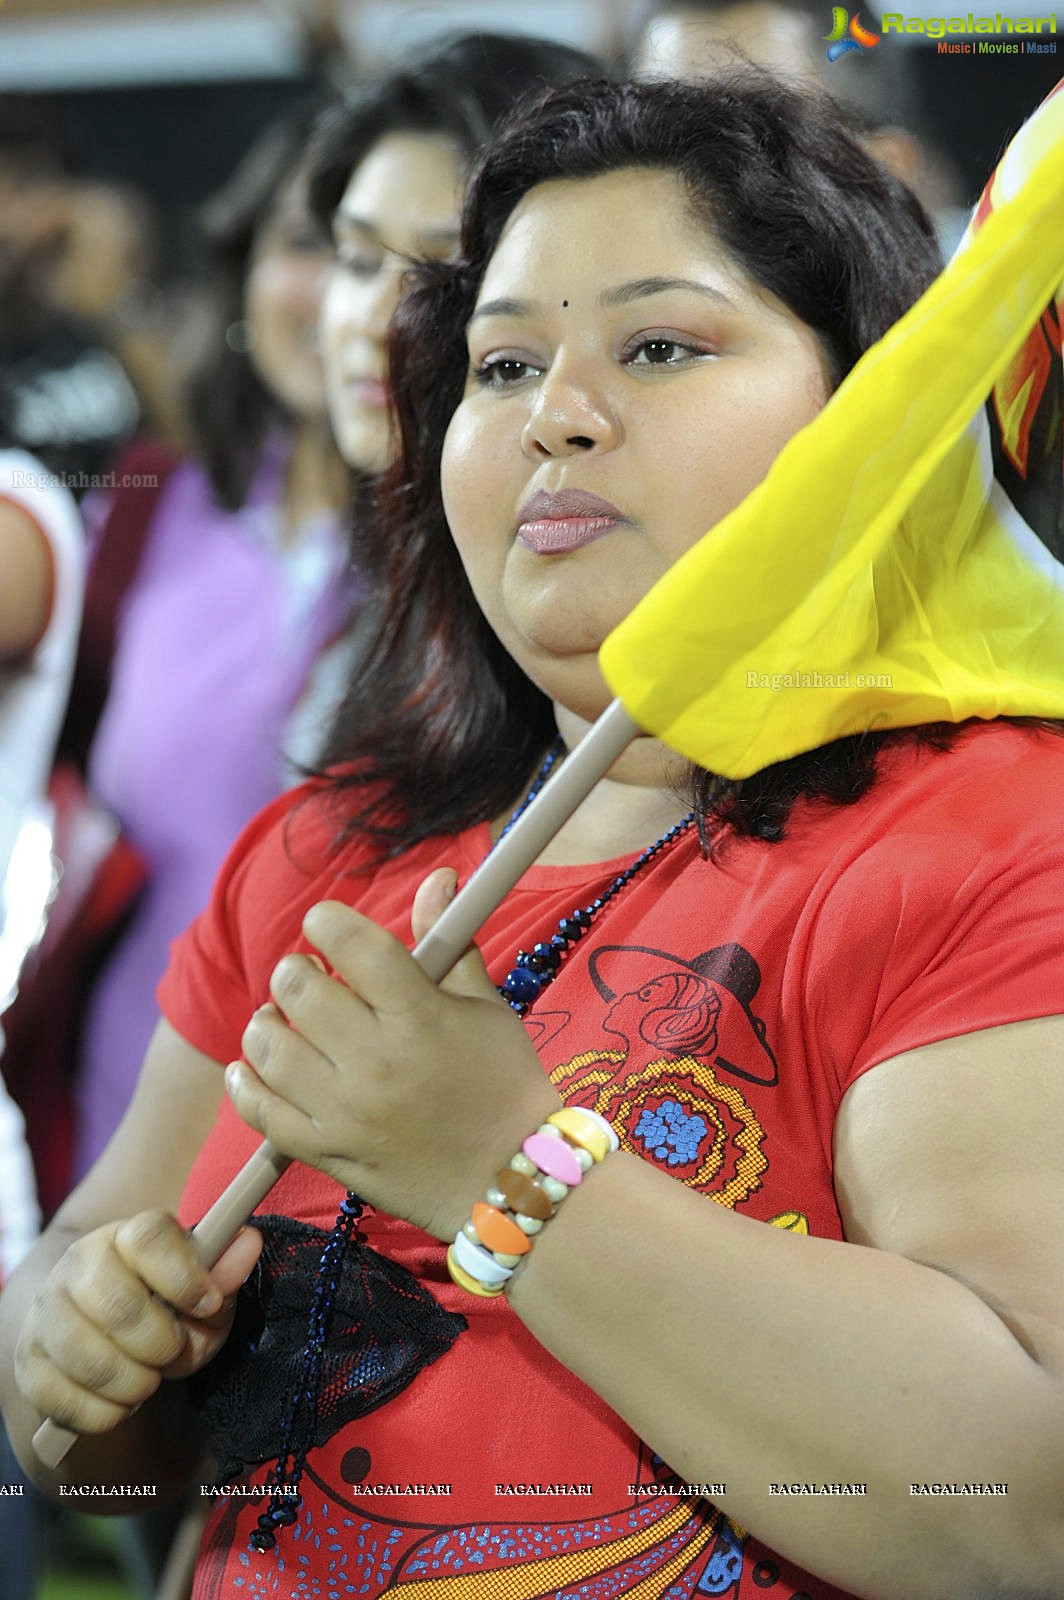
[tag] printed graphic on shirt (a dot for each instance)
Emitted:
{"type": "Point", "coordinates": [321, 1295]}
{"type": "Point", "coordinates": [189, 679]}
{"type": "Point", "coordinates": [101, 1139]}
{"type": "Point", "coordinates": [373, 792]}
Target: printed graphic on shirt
{"type": "Point", "coordinates": [663, 1548]}
{"type": "Point", "coordinates": [688, 1040]}
{"type": "Point", "coordinates": [679, 1056]}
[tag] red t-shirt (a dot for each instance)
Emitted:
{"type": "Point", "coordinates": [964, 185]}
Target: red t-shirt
{"type": "Point", "coordinates": [716, 1014]}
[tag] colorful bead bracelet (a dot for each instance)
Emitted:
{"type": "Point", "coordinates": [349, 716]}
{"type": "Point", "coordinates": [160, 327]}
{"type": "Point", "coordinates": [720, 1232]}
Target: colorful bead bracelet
{"type": "Point", "coordinates": [525, 1195]}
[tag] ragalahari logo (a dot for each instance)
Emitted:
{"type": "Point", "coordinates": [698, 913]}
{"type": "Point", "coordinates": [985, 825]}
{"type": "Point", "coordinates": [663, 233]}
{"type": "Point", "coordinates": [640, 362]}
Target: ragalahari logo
{"type": "Point", "coordinates": [848, 35]}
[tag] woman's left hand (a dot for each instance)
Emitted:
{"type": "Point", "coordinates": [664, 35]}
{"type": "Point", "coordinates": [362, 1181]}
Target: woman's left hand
{"type": "Point", "coordinates": [411, 1094]}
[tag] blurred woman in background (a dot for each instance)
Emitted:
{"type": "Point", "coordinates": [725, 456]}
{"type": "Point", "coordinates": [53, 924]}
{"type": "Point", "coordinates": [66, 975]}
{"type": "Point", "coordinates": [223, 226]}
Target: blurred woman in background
{"type": "Point", "coordinates": [387, 168]}
{"type": "Point", "coordinates": [388, 171]}
{"type": "Point", "coordinates": [242, 580]}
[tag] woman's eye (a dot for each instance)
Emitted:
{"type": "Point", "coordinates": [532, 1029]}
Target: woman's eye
{"type": "Point", "coordinates": [357, 263]}
{"type": "Point", "coordinates": [307, 243]}
{"type": "Point", "coordinates": [499, 371]}
{"type": "Point", "coordinates": [661, 352]}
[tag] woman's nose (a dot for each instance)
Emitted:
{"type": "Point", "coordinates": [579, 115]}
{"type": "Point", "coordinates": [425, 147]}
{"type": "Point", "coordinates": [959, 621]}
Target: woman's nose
{"type": "Point", "coordinates": [571, 411]}
{"type": "Point", "coordinates": [362, 308]}
{"type": "Point", "coordinates": [382, 297]}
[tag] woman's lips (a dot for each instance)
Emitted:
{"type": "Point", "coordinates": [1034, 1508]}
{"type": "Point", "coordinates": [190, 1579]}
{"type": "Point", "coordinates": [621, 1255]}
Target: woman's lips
{"type": "Point", "coordinates": [554, 535]}
{"type": "Point", "coordinates": [369, 392]}
{"type": "Point", "coordinates": [551, 524]}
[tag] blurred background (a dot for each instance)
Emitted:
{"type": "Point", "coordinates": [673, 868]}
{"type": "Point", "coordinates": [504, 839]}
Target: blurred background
{"type": "Point", "coordinates": [164, 95]}
{"type": "Point", "coordinates": [119, 117]}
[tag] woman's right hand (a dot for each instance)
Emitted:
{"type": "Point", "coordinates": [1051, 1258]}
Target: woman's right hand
{"type": "Point", "coordinates": [126, 1306]}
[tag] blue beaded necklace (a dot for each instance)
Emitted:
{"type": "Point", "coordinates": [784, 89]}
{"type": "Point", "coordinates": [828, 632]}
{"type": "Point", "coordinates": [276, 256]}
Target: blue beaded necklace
{"type": "Point", "coordinates": [532, 972]}
{"type": "Point", "coordinates": [534, 969]}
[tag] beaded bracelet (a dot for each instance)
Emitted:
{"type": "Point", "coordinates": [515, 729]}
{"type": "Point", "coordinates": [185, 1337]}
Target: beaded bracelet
{"type": "Point", "coordinates": [525, 1195]}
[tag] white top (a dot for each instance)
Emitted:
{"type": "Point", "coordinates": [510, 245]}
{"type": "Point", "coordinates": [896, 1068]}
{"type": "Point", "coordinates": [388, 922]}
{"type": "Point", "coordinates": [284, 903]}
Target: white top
{"type": "Point", "coordinates": [33, 699]}
{"type": "Point", "coordinates": [33, 693]}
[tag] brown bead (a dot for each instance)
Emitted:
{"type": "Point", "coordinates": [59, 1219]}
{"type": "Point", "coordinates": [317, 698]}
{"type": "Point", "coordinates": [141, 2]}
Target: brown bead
{"type": "Point", "coordinates": [524, 1194]}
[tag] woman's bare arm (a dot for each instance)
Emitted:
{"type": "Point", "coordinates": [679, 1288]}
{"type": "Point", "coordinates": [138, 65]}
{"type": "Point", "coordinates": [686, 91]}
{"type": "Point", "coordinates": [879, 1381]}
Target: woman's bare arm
{"type": "Point", "coordinates": [927, 1350]}
{"type": "Point", "coordinates": [25, 582]}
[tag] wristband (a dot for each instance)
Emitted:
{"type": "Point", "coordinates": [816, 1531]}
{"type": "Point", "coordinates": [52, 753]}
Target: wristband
{"type": "Point", "coordinates": [524, 1196]}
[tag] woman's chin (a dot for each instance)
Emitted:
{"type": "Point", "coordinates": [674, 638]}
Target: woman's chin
{"type": "Point", "coordinates": [576, 686]}
{"type": "Point", "coordinates": [575, 715]}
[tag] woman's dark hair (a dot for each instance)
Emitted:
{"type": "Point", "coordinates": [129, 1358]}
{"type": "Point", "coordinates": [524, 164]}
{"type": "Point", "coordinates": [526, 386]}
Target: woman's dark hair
{"type": "Point", "coordinates": [459, 91]}
{"type": "Point", "coordinates": [230, 409]}
{"type": "Point", "coordinates": [440, 720]}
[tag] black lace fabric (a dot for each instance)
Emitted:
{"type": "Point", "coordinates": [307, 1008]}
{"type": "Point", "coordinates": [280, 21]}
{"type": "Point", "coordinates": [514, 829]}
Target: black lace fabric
{"type": "Point", "coordinates": [385, 1329]}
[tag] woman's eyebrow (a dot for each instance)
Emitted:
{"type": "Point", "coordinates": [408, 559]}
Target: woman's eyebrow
{"type": "Point", "coordinates": [351, 219]}
{"type": "Point", "coordinates": [502, 308]}
{"type": "Point", "coordinates": [347, 222]}
{"type": "Point", "coordinates": [623, 294]}
{"type": "Point", "coordinates": [641, 288]}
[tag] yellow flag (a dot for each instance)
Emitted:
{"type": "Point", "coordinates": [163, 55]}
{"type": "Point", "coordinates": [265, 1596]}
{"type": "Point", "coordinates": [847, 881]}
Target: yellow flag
{"type": "Point", "coordinates": [881, 576]}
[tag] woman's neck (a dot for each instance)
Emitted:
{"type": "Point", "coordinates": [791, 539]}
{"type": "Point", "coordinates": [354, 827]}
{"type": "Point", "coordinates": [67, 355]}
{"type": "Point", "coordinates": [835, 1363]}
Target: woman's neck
{"type": "Point", "coordinates": [317, 481]}
{"type": "Point", "coordinates": [634, 804]}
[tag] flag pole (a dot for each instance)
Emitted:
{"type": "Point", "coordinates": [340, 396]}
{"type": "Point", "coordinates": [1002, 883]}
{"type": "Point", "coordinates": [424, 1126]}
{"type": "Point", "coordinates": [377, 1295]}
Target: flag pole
{"type": "Point", "coordinates": [443, 945]}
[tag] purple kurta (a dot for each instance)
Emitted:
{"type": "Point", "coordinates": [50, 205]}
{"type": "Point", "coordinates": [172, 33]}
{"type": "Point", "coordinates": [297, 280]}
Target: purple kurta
{"type": "Point", "coordinates": [217, 639]}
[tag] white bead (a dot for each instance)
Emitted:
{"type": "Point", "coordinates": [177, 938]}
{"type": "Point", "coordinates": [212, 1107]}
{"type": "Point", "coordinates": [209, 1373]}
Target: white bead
{"type": "Point", "coordinates": [495, 1197]}
{"type": "Point", "coordinates": [521, 1163]}
{"type": "Point", "coordinates": [478, 1262]}
{"type": "Point", "coordinates": [527, 1225]}
{"type": "Point", "coordinates": [553, 1188]}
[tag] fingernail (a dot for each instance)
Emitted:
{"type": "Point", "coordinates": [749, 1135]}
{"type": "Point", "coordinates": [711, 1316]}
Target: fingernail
{"type": "Point", "coordinates": [208, 1304]}
{"type": "Point", "coordinates": [232, 1075]}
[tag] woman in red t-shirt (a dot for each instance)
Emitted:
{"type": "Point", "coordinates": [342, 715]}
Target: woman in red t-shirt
{"type": "Point", "coordinates": [529, 1357]}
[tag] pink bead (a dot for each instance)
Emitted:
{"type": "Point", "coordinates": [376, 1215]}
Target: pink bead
{"type": "Point", "coordinates": [554, 1157]}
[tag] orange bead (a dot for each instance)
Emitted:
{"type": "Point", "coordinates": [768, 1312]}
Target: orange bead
{"type": "Point", "coordinates": [496, 1231]}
